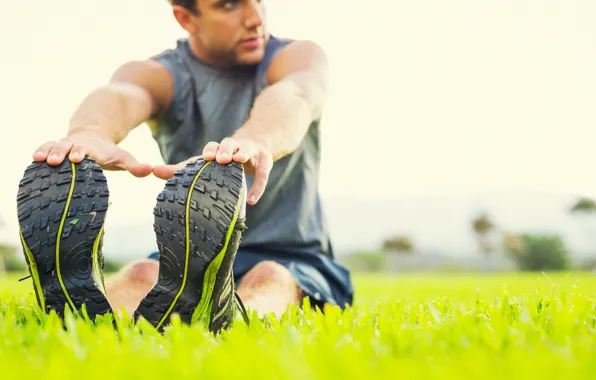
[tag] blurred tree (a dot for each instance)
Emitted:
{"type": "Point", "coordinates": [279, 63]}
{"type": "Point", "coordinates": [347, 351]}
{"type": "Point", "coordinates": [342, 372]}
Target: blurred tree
{"type": "Point", "coordinates": [111, 266]}
{"type": "Point", "coordinates": [584, 210]}
{"type": "Point", "coordinates": [397, 249]}
{"type": "Point", "coordinates": [4, 254]}
{"type": "Point", "coordinates": [5, 250]}
{"type": "Point", "coordinates": [514, 243]}
{"type": "Point", "coordinates": [532, 252]}
{"type": "Point", "coordinates": [584, 205]}
{"type": "Point", "coordinates": [9, 261]}
{"type": "Point", "coordinates": [12, 262]}
{"type": "Point", "coordinates": [483, 226]}
{"type": "Point", "coordinates": [398, 244]}
{"type": "Point", "coordinates": [363, 261]}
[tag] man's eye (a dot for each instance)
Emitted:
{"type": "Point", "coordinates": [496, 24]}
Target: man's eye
{"type": "Point", "coordinates": [229, 4]}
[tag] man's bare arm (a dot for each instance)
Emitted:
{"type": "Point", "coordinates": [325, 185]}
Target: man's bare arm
{"type": "Point", "coordinates": [137, 92]}
{"type": "Point", "coordinates": [282, 113]}
{"type": "Point", "coordinates": [284, 110]}
{"type": "Point", "coordinates": [279, 119]}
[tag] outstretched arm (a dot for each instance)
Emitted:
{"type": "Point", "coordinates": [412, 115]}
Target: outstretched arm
{"type": "Point", "coordinates": [136, 92]}
{"type": "Point", "coordinates": [280, 117]}
{"type": "Point", "coordinates": [283, 111]}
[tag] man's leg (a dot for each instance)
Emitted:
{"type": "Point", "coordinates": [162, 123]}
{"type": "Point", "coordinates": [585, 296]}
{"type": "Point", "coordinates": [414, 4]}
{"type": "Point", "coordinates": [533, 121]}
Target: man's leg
{"type": "Point", "coordinates": [264, 285]}
{"type": "Point", "coordinates": [270, 281]}
{"type": "Point", "coordinates": [269, 287]}
{"type": "Point", "coordinates": [131, 284]}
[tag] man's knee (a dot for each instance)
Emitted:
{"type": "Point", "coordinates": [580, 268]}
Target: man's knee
{"type": "Point", "coordinates": [144, 271]}
{"type": "Point", "coordinates": [268, 273]}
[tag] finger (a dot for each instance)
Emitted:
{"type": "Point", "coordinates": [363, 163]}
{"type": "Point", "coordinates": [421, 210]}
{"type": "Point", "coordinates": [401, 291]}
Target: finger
{"type": "Point", "coordinates": [226, 150]}
{"type": "Point", "coordinates": [78, 153]}
{"type": "Point", "coordinates": [59, 151]}
{"type": "Point", "coordinates": [167, 171]}
{"type": "Point", "coordinates": [243, 154]}
{"type": "Point", "coordinates": [126, 161]}
{"type": "Point", "coordinates": [210, 151]}
{"type": "Point", "coordinates": [41, 154]}
{"type": "Point", "coordinates": [262, 171]}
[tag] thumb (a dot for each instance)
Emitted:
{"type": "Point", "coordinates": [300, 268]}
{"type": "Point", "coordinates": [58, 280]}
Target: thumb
{"type": "Point", "coordinates": [167, 171]}
{"type": "Point", "coordinates": [131, 164]}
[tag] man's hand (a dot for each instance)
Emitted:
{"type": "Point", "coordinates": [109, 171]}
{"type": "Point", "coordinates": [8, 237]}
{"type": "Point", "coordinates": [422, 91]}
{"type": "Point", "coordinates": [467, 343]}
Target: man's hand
{"type": "Point", "coordinates": [255, 158]}
{"type": "Point", "coordinates": [77, 144]}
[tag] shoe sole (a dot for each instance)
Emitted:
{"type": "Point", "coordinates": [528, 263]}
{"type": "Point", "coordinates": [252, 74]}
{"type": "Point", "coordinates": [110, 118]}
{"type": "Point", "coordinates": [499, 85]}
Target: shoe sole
{"type": "Point", "coordinates": [195, 216]}
{"type": "Point", "coordinates": [61, 248]}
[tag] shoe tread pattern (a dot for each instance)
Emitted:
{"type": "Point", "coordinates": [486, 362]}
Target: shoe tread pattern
{"type": "Point", "coordinates": [41, 199]}
{"type": "Point", "coordinates": [213, 201]}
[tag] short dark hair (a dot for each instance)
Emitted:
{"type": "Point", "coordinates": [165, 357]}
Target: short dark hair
{"type": "Point", "coordinates": [191, 5]}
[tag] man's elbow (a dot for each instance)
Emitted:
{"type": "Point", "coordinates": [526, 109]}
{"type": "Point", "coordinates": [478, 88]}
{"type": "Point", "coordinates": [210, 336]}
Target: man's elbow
{"type": "Point", "coordinates": [311, 90]}
{"type": "Point", "coordinates": [136, 100]}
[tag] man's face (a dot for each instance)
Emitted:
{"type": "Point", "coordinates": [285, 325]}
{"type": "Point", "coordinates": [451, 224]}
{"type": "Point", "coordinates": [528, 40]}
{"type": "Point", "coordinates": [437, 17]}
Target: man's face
{"type": "Point", "coordinates": [229, 31]}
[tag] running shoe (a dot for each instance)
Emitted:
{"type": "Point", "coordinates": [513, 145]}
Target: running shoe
{"type": "Point", "coordinates": [199, 219]}
{"type": "Point", "coordinates": [61, 212]}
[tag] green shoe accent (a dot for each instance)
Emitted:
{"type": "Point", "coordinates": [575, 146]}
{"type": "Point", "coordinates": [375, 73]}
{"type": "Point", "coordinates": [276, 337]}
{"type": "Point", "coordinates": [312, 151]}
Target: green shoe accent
{"type": "Point", "coordinates": [213, 268]}
{"type": "Point", "coordinates": [199, 218]}
{"type": "Point", "coordinates": [61, 211]}
{"type": "Point", "coordinates": [60, 229]}
{"type": "Point", "coordinates": [187, 246]}
{"type": "Point", "coordinates": [34, 273]}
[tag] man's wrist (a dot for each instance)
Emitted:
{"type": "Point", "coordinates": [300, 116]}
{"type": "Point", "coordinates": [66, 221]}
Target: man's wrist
{"type": "Point", "coordinates": [86, 128]}
{"type": "Point", "coordinates": [254, 137]}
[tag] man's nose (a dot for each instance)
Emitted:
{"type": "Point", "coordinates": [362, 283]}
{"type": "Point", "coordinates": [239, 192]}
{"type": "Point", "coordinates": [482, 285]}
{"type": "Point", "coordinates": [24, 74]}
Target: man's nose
{"type": "Point", "coordinates": [255, 14]}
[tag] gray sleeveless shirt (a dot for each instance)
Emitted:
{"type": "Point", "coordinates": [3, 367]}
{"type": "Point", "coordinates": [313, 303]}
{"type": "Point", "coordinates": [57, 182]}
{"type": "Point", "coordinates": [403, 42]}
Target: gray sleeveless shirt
{"type": "Point", "coordinates": [210, 104]}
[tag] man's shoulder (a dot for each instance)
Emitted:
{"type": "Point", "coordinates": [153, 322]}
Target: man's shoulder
{"type": "Point", "coordinates": [275, 39]}
{"type": "Point", "coordinates": [176, 52]}
{"type": "Point", "coordinates": [274, 45]}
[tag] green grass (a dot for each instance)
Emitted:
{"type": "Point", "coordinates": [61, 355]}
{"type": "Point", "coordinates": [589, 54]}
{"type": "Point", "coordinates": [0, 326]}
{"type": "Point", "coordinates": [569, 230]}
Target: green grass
{"type": "Point", "coordinates": [508, 326]}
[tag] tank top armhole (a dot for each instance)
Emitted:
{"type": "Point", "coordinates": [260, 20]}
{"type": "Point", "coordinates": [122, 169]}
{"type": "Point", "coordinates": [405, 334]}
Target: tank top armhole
{"type": "Point", "coordinates": [173, 116]}
{"type": "Point", "coordinates": [274, 46]}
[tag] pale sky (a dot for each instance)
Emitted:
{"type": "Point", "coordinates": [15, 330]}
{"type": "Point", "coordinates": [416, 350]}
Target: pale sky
{"type": "Point", "coordinates": [428, 97]}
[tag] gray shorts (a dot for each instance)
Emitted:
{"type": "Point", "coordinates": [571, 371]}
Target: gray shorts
{"type": "Point", "coordinates": [320, 277]}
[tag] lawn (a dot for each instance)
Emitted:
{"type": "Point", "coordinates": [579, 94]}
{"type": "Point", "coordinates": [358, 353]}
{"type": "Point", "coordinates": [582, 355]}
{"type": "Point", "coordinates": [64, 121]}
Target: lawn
{"type": "Point", "coordinates": [412, 326]}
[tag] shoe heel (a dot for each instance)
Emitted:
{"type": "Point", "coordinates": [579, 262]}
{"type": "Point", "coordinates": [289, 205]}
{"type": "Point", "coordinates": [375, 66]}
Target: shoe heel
{"type": "Point", "coordinates": [61, 211]}
{"type": "Point", "coordinates": [195, 226]}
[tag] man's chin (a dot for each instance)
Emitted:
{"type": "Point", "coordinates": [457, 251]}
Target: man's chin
{"type": "Point", "coordinates": [251, 58]}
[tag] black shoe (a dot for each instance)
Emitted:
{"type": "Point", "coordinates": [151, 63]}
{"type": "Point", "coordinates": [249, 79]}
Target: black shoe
{"type": "Point", "coordinates": [63, 249]}
{"type": "Point", "coordinates": [199, 218]}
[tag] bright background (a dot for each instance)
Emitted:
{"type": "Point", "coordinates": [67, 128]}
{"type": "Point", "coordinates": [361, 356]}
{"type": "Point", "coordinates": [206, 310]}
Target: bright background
{"type": "Point", "coordinates": [430, 100]}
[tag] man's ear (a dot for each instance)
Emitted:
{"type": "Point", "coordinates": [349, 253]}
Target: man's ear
{"type": "Point", "coordinates": [185, 18]}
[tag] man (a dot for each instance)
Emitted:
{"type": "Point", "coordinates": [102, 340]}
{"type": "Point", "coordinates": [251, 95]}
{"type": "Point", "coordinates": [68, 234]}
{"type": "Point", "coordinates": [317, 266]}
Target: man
{"type": "Point", "coordinates": [232, 108]}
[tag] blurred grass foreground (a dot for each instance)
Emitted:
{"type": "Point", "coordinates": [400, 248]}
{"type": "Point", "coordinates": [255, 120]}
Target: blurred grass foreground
{"type": "Point", "coordinates": [446, 326]}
